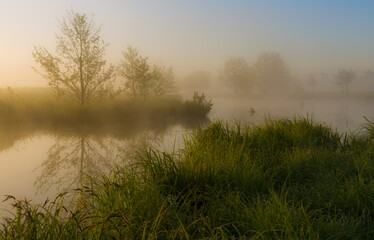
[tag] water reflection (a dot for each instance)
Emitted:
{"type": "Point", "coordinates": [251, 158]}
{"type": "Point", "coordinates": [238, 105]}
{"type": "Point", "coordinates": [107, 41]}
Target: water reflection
{"type": "Point", "coordinates": [72, 158]}
{"type": "Point", "coordinates": [40, 163]}
{"type": "Point", "coordinates": [9, 135]}
{"type": "Point", "coordinates": [75, 155]}
{"type": "Point", "coordinates": [62, 158]}
{"type": "Point", "coordinates": [127, 150]}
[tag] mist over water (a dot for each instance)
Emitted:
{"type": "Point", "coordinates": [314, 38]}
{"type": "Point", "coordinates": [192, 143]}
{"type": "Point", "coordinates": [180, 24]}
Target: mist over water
{"type": "Point", "coordinates": [152, 73]}
{"type": "Point", "coordinates": [39, 165]}
{"type": "Point", "coordinates": [342, 115]}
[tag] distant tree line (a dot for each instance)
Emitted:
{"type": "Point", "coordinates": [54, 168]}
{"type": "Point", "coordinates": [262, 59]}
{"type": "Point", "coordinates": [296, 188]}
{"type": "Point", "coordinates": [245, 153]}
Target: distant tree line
{"type": "Point", "coordinates": [78, 69]}
{"type": "Point", "coordinates": [344, 78]}
{"type": "Point", "coordinates": [269, 74]}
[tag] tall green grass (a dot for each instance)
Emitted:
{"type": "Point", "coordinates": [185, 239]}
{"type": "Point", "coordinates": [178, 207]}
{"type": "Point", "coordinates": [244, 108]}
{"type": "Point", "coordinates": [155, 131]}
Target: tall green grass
{"type": "Point", "coordinates": [286, 179]}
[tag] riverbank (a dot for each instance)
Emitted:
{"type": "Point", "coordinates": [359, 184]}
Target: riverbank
{"type": "Point", "coordinates": [288, 179]}
{"type": "Point", "coordinates": [41, 108]}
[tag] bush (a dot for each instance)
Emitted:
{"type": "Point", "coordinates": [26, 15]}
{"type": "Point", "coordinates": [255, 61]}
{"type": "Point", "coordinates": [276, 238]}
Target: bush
{"type": "Point", "coordinates": [199, 106]}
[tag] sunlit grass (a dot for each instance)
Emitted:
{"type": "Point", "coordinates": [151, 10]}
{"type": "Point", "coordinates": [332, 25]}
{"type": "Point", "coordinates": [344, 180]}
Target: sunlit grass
{"type": "Point", "coordinates": [286, 179]}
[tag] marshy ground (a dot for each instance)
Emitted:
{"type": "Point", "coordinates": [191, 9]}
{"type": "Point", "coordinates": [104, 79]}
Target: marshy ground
{"type": "Point", "coordinates": [287, 179]}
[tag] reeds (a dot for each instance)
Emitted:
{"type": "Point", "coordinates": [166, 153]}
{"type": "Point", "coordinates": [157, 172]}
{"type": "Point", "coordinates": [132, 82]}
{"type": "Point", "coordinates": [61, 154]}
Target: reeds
{"type": "Point", "coordinates": [286, 179]}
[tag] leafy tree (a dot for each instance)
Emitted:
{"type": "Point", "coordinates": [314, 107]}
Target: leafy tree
{"type": "Point", "coordinates": [143, 80]}
{"type": "Point", "coordinates": [163, 81]}
{"type": "Point", "coordinates": [135, 69]}
{"type": "Point", "coordinates": [78, 68]}
{"type": "Point", "coordinates": [238, 74]}
{"type": "Point", "coordinates": [272, 74]}
{"type": "Point", "coordinates": [344, 78]}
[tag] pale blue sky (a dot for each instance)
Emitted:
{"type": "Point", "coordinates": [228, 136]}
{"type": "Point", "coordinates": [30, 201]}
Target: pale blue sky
{"type": "Point", "coordinates": [312, 36]}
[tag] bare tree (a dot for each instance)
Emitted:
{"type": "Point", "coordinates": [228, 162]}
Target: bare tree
{"type": "Point", "coordinates": [344, 78]}
{"type": "Point", "coordinates": [78, 68]}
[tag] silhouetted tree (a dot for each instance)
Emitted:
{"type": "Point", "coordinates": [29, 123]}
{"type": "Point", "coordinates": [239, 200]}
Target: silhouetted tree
{"type": "Point", "coordinates": [272, 74]}
{"type": "Point", "coordinates": [78, 69]}
{"type": "Point", "coordinates": [143, 80]}
{"type": "Point", "coordinates": [238, 74]}
{"type": "Point", "coordinates": [344, 78]}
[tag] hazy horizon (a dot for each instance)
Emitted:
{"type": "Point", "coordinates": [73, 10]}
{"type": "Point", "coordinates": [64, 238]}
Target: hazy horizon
{"type": "Point", "coordinates": [315, 36]}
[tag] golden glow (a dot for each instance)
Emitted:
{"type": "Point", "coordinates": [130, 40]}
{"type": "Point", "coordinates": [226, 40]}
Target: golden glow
{"type": "Point", "coordinates": [192, 35]}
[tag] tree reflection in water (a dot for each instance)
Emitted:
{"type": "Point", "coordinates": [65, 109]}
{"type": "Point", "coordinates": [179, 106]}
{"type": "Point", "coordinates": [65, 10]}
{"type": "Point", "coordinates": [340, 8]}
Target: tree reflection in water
{"type": "Point", "coordinates": [72, 158]}
{"type": "Point", "coordinates": [128, 150]}
{"type": "Point", "coordinates": [76, 155]}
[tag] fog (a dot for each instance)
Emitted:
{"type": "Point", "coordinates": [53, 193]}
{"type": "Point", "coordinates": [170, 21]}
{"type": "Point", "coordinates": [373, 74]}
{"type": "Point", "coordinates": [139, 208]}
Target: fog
{"type": "Point", "coordinates": [315, 37]}
{"type": "Point", "coordinates": [152, 72]}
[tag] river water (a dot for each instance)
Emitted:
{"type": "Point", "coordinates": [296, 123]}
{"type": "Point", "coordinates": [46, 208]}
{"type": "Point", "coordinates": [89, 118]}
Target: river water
{"type": "Point", "coordinates": [38, 164]}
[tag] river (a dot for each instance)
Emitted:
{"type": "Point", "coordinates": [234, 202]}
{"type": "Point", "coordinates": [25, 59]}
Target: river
{"type": "Point", "coordinates": [37, 164]}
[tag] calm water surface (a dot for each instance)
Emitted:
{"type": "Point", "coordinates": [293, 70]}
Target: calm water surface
{"type": "Point", "coordinates": [38, 164]}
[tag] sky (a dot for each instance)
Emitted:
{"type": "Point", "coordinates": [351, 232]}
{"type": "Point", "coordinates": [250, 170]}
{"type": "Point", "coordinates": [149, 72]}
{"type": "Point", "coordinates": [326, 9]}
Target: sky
{"type": "Point", "coordinates": [190, 35]}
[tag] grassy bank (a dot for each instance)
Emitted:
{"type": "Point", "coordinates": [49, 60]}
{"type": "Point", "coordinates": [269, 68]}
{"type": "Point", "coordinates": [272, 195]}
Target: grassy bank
{"type": "Point", "coordinates": [40, 107]}
{"type": "Point", "coordinates": [286, 179]}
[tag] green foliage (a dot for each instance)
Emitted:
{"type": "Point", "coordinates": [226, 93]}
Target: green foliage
{"type": "Point", "coordinates": [199, 106]}
{"type": "Point", "coordinates": [206, 105]}
{"type": "Point", "coordinates": [135, 69]}
{"type": "Point", "coordinates": [77, 70]}
{"type": "Point", "coordinates": [142, 80]}
{"type": "Point", "coordinates": [286, 179]}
